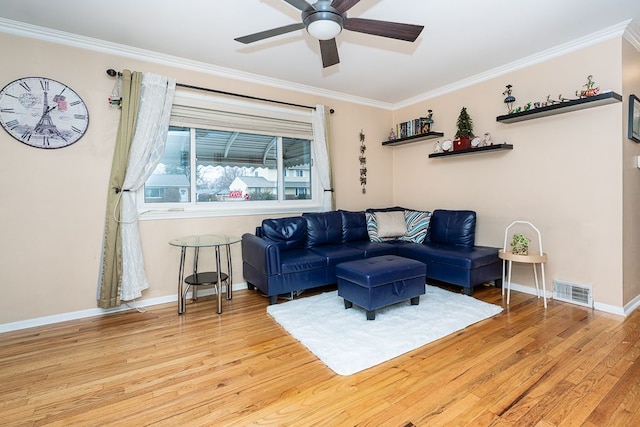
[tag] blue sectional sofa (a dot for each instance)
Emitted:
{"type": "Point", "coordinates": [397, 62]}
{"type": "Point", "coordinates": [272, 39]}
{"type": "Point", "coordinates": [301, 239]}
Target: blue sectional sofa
{"type": "Point", "coordinates": [295, 253]}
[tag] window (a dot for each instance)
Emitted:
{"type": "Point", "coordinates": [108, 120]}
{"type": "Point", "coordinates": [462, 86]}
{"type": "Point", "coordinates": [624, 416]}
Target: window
{"type": "Point", "coordinates": [232, 162]}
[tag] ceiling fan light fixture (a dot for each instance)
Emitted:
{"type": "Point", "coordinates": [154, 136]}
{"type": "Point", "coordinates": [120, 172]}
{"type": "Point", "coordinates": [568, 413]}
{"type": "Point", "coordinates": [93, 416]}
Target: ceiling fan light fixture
{"type": "Point", "coordinates": [323, 22]}
{"type": "Point", "coordinates": [324, 29]}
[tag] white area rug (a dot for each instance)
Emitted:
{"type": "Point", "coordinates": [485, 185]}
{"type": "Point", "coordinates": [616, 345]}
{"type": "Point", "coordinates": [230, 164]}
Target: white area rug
{"type": "Point", "coordinates": [347, 343]}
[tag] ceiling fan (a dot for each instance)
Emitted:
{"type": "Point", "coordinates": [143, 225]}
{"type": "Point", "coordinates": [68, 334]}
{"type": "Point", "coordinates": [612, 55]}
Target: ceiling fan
{"type": "Point", "coordinates": [325, 19]}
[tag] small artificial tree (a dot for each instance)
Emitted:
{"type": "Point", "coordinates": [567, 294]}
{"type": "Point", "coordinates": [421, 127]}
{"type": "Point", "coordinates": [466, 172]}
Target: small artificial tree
{"type": "Point", "coordinates": [464, 124]}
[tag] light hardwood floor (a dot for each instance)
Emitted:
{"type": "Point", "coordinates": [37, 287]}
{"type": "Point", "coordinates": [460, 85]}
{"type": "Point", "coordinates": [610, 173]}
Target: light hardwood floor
{"type": "Point", "coordinates": [528, 366]}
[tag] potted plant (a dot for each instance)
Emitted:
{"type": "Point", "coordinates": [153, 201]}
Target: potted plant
{"type": "Point", "coordinates": [464, 133]}
{"type": "Point", "coordinates": [520, 244]}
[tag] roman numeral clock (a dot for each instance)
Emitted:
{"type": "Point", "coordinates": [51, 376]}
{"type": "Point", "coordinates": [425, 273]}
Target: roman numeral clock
{"type": "Point", "coordinates": [42, 112]}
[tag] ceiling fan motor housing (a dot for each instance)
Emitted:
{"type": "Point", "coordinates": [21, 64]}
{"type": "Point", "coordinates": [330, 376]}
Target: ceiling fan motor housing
{"type": "Point", "coordinates": [322, 12]}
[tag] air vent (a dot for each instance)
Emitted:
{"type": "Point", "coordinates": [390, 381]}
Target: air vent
{"type": "Point", "coordinates": [573, 293]}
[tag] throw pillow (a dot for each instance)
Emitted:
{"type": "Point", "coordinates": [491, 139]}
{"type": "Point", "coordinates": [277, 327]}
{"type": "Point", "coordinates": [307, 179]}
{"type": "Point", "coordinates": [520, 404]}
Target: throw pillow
{"type": "Point", "coordinates": [417, 226]}
{"type": "Point", "coordinates": [391, 224]}
{"type": "Point", "coordinates": [372, 229]}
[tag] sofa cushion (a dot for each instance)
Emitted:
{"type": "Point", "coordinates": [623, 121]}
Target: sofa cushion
{"type": "Point", "coordinates": [323, 228]}
{"type": "Point", "coordinates": [354, 226]}
{"type": "Point", "coordinates": [336, 254]}
{"type": "Point", "coordinates": [372, 249]}
{"type": "Point", "coordinates": [453, 256]}
{"type": "Point", "coordinates": [297, 260]}
{"type": "Point", "coordinates": [286, 233]}
{"type": "Point", "coordinates": [452, 227]}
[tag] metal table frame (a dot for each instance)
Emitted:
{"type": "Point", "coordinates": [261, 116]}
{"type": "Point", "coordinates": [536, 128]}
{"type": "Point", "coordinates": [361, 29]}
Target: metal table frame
{"type": "Point", "coordinates": [204, 241]}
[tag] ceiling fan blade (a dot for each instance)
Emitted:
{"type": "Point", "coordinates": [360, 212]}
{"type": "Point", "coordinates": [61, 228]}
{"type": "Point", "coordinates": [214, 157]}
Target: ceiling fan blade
{"type": "Point", "coordinates": [299, 4]}
{"type": "Point", "coordinates": [329, 51]}
{"type": "Point", "coordinates": [343, 5]}
{"type": "Point", "coordinates": [269, 33]}
{"type": "Point", "coordinates": [393, 30]}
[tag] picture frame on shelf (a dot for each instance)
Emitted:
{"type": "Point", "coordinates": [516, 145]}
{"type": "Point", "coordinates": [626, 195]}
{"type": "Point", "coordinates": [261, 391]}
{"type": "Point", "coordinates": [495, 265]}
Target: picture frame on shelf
{"type": "Point", "coordinates": [634, 118]}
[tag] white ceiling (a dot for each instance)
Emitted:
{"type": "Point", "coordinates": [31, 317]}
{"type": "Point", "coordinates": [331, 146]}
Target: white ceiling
{"type": "Point", "coordinates": [462, 40]}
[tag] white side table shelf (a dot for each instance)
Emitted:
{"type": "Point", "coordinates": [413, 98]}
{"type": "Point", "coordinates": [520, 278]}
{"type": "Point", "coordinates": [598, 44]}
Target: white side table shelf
{"type": "Point", "coordinates": [531, 258]}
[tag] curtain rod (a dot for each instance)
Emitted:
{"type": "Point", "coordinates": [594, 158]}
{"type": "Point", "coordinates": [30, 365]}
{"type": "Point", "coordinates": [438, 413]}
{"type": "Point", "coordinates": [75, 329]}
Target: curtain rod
{"type": "Point", "coordinates": [113, 73]}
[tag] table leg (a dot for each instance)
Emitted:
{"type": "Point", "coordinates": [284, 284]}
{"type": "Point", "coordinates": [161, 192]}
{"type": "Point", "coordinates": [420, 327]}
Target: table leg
{"type": "Point", "coordinates": [194, 289]}
{"type": "Point", "coordinates": [535, 277]}
{"type": "Point", "coordinates": [229, 274]}
{"type": "Point", "coordinates": [181, 302]}
{"type": "Point", "coordinates": [504, 263]}
{"type": "Point", "coordinates": [544, 285]}
{"type": "Point", "coordinates": [219, 282]}
{"type": "Point", "coordinates": [509, 283]}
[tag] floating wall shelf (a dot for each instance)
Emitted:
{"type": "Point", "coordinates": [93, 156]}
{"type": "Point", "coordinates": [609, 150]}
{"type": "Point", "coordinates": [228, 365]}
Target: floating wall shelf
{"type": "Point", "coordinates": [474, 150]}
{"type": "Point", "coordinates": [561, 107]}
{"type": "Point", "coordinates": [414, 138]}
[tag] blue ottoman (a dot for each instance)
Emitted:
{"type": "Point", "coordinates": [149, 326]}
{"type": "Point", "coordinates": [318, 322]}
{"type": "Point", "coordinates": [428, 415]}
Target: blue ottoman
{"type": "Point", "coordinates": [377, 282]}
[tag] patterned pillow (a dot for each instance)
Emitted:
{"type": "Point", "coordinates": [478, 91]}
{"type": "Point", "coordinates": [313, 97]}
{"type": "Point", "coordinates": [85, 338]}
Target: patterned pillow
{"type": "Point", "coordinates": [417, 226]}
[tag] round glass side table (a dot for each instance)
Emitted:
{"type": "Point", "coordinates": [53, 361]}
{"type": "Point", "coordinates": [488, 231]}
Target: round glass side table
{"type": "Point", "coordinates": [215, 278]}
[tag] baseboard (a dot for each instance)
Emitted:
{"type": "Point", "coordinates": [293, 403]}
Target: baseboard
{"type": "Point", "coordinates": [63, 317]}
{"type": "Point", "coordinates": [74, 315]}
{"type": "Point", "coordinates": [612, 309]}
{"type": "Point", "coordinates": [632, 305]}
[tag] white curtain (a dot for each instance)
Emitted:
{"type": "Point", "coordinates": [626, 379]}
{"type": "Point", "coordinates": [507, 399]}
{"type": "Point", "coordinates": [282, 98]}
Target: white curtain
{"type": "Point", "coordinates": [322, 155]}
{"type": "Point", "coordinates": [147, 148]}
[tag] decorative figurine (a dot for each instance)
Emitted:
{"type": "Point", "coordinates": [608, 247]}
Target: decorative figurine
{"type": "Point", "coordinates": [427, 122]}
{"type": "Point", "coordinates": [487, 140]}
{"type": "Point", "coordinates": [392, 135]}
{"type": "Point", "coordinates": [437, 148]}
{"type": "Point", "coordinates": [590, 90]}
{"type": "Point", "coordinates": [510, 99]}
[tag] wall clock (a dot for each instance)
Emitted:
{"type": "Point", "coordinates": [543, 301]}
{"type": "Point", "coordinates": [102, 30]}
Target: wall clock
{"type": "Point", "coordinates": [42, 112]}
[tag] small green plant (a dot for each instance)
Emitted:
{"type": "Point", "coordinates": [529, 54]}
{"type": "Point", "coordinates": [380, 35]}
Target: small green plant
{"type": "Point", "coordinates": [520, 244]}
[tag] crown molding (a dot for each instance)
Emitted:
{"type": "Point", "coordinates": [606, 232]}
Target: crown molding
{"type": "Point", "coordinates": [605, 34]}
{"type": "Point", "coordinates": [629, 29]}
{"type": "Point", "coordinates": [632, 34]}
{"type": "Point", "coordinates": [68, 39]}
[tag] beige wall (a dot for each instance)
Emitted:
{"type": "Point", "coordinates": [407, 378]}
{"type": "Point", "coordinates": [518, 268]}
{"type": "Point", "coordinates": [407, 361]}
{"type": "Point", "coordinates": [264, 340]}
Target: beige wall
{"type": "Point", "coordinates": [631, 178]}
{"type": "Point", "coordinates": [53, 205]}
{"type": "Point", "coordinates": [564, 174]}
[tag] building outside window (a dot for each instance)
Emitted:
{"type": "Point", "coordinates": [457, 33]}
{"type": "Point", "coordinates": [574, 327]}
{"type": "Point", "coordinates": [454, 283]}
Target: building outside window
{"type": "Point", "coordinates": [234, 158]}
{"type": "Point", "coordinates": [229, 167]}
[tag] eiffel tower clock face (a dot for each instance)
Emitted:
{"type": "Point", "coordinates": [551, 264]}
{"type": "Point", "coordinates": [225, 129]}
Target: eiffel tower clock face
{"type": "Point", "coordinates": [42, 112]}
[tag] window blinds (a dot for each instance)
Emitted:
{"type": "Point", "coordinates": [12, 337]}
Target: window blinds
{"type": "Point", "coordinates": [196, 111]}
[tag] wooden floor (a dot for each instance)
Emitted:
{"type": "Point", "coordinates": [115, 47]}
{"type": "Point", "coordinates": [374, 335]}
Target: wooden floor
{"type": "Point", "coordinates": [567, 365]}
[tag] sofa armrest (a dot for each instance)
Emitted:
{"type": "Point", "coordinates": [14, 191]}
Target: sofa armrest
{"type": "Point", "coordinates": [261, 254]}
